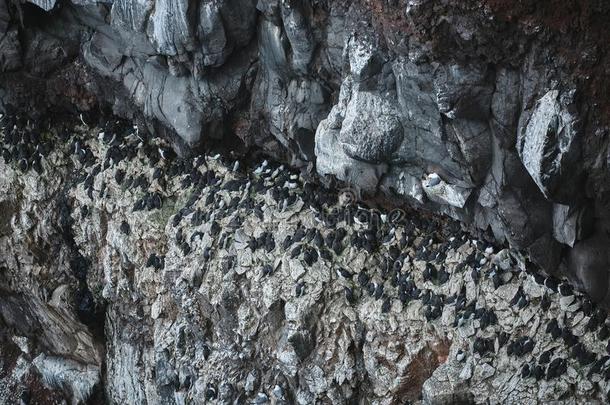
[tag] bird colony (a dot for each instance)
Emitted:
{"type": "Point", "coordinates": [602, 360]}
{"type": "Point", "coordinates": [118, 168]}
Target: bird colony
{"type": "Point", "coordinates": [215, 279]}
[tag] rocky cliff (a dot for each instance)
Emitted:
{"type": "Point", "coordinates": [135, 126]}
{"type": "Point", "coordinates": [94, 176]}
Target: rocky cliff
{"type": "Point", "coordinates": [130, 276]}
{"type": "Point", "coordinates": [493, 113]}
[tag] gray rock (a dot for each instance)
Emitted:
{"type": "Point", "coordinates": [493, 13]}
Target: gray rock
{"type": "Point", "coordinates": [131, 15]}
{"type": "Point", "coordinates": [371, 130]}
{"type": "Point", "coordinates": [587, 261]}
{"type": "Point", "coordinates": [364, 59]}
{"type": "Point", "coordinates": [441, 192]}
{"type": "Point", "coordinates": [212, 35]}
{"type": "Point", "coordinates": [77, 380]}
{"type": "Point", "coordinates": [46, 5]}
{"type": "Point", "coordinates": [400, 182]}
{"type": "Point", "coordinates": [463, 92]}
{"type": "Point", "coordinates": [54, 327]}
{"type": "Point", "coordinates": [169, 27]}
{"type": "Point", "coordinates": [331, 160]}
{"type": "Point", "coordinates": [296, 27]}
{"type": "Point", "coordinates": [10, 48]}
{"type": "Point", "coordinates": [439, 390]}
{"type": "Point", "coordinates": [571, 224]}
{"type": "Point", "coordinates": [509, 116]}
{"type": "Point", "coordinates": [548, 145]}
{"type": "Point", "coordinates": [505, 106]}
{"type": "Point", "coordinates": [215, 323]}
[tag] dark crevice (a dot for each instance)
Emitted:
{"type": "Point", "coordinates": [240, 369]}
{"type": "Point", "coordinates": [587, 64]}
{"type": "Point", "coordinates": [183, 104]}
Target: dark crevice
{"type": "Point", "coordinates": [89, 311]}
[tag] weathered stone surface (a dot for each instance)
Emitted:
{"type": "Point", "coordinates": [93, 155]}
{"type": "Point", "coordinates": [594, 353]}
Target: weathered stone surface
{"type": "Point", "coordinates": [77, 380]}
{"type": "Point", "coordinates": [548, 145]}
{"type": "Point", "coordinates": [46, 5]}
{"type": "Point", "coordinates": [571, 224]}
{"type": "Point", "coordinates": [236, 287]}
{"type": "Point", "coordinates": [439, 191]}
{"type": "Point", "coordinates": [375, 95]}
{"type": "Point", "coordinates": [506, 103]}
{"type": "Point", "coordinates": [371, 130]}
{"type": "Point", "coordinates": [586, 262]}
{"type": "Point", "coordinates": [360, 174]}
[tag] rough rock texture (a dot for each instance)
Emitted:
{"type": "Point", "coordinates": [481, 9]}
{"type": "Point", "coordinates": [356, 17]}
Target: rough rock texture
{"type": "Point", "coordinates": [495, 113]}
{"type": "Point", "coordinates": [130, 276]}
{"type": "Point", "coordinates": [506, 104]}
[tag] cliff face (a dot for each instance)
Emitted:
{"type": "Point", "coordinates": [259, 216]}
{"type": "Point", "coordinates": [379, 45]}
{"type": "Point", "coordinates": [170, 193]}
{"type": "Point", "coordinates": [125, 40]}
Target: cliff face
{"type": "Point", "coordinates": [493, 113]}
{"type": "Point", "coordinates": [128, 276]}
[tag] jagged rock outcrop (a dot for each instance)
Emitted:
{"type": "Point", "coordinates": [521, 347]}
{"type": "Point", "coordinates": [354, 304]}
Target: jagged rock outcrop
{"type": "Point", "coordinates": [131, 276]}
{"type": "Point", "coordinates": [505, 106]}
{"type": "Point", "coordinates": [493, 113]}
